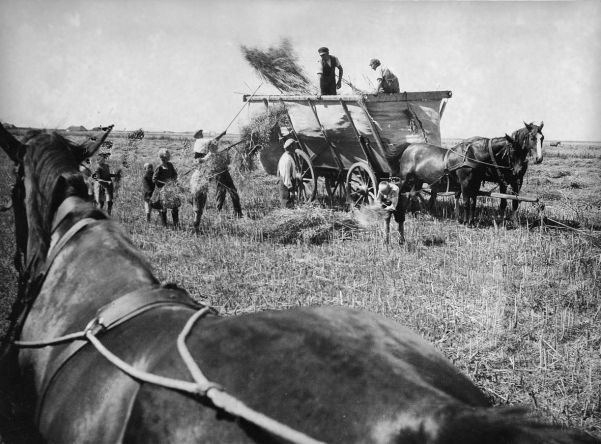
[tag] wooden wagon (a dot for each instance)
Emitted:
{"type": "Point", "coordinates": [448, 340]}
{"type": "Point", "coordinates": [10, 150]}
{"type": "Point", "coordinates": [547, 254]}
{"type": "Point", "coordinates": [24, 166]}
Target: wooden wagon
{"type": "Point", "coordinates": [345, 138]}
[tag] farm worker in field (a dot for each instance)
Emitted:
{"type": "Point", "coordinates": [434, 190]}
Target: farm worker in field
{"type": "Point", "coordinates": [147, 189]}
{"type": "Point", "coordinates": [326, 72]}
{"type": "Point", "coordinates": [386, 81]}
{"type": "Point", "coordinates": [103, 184]}
{"type": "Point", "coordinates": [85, 168]}
{"type": "Point", "coordinates": [388, 198]}
{"type": "Point", "coordinates": [288, 174]}
{"type": "Point", "coordinates": [212, 166]}
{"type": "Point", "coordinates": [162, 174]}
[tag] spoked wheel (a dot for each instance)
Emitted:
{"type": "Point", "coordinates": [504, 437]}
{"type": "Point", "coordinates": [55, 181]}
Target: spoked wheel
{"type": "Point", "coordinates": [307, 186]}
{"type": "Point", "coordinates": [361, 185]}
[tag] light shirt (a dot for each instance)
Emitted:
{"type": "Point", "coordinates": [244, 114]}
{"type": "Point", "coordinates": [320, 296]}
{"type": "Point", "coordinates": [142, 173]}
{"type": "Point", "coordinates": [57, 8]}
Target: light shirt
{"type": "Point", "coordinates": [392, 196]}
{"type": "Point", "coordinates": [390, 82]}
{"type": "Point", "coordinates": [287, 169]}
{"type": "Point", "coordinates": [204, 146]}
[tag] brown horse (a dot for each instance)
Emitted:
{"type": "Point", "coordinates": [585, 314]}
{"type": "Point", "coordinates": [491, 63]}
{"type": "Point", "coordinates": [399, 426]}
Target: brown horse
{"type": "Point", "coordinates": [502, 160]}
{"type": "Point", "coordinates": [422, 163]}
{"type": "Point", "coordinates": [124, 356]}
{"type": "Point", "coordinates": [464, 167]}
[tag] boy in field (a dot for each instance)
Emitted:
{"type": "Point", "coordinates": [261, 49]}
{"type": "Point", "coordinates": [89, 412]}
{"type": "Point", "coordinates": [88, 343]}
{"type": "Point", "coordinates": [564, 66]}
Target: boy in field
{"type": "Point", "coordinates": [164, 173]}
{"type": "Point", "coordinates": [147, 189]}
{"type": "Point", "coordinates": [103, 184]}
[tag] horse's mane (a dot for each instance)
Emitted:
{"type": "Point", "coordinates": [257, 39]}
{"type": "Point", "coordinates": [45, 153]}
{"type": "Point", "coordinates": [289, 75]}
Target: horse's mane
{"type": "Point", "coordinates": [520, 137]}
{"type": "Point", "coordinates": [56, 176]}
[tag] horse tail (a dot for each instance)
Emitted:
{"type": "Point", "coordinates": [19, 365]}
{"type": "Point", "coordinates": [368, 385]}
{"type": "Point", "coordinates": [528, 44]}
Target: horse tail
{"type": "Point", "coordinates": [393, 157]}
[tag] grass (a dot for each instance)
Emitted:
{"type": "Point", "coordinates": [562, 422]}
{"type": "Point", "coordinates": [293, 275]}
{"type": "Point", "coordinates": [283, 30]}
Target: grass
{"type": "Point", "coordinates": [518, 310]}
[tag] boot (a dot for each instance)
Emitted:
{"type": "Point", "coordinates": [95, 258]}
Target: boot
{"type": "Point", "coordinates": [109, 207]}
{"type": "Point", "coordinates": [148, 217]}
{"type": "Point", "coordinates": [175, 216]}
{"type": "Point", "coordinates": [164, 218]}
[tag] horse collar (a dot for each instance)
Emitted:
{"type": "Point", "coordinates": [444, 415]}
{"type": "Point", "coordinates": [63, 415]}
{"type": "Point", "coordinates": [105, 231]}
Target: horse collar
{"type": "Point", "coordinates": [494, 162]}
{"type": "Point", "coordinates": [63, 211]}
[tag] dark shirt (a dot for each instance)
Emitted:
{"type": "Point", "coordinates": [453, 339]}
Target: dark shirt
{"type": "Point", "coordinates": [163, 173]}
{"type": "Point", "coordinates": [147, 185]}
{"type": "Point", "coordinates": [103, 175]}
{"type": "Point", "coordinates": [327, 81]}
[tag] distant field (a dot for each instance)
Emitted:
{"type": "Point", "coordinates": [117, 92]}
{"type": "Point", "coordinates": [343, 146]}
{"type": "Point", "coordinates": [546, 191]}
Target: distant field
{"type": "Point", "coordinates": [518, 310]}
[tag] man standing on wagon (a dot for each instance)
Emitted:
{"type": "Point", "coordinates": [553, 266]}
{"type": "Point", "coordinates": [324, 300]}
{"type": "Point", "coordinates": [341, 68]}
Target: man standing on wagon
{"type": "Point", "coordinates": [386, 81]}
{"type": "Point", "coordinates": [326, 72]}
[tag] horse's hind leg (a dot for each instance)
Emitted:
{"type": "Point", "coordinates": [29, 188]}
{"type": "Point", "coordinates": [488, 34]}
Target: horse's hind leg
{"type": "Point", "coordinates": [399, 217]}
{"type": "Point", "coordinates": [431, 202]}
{"type": "Point", "coordinates": [469, 202]}
{"type": "Point", "coordinates": [457, 206]}
{"type": "Point", "coordinates": [503, 203]}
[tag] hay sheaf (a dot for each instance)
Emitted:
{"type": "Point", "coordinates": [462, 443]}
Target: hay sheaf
{"type": "Point", "coordinates": [208, 170]}
{"type": "Point", "coordinates": [278, 66]}
{"type": "Point", "coordinates": [260, 131]}
{"type": "Point", "coordinates": [262, 127]}
{"type": "Point", "coordinates": [369, 215]}
{"type": "Point", "coordinates": [171, 195]}
{"type": "Point", "coordinates": [307, 224]}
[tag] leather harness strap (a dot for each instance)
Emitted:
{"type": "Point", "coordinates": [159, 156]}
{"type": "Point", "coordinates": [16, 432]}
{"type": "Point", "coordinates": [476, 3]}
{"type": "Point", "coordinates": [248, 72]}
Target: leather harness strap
{"type": "Point", "coordinates": [116, 313]}
{"type": "Point", "coordinates": [494, 161]}
{"type": "Point", "coordinates": [112, 314]}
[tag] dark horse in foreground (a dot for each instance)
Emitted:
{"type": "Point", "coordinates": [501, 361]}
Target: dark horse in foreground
{"type": "Point", "coordinates": [318, 374]}
{"type": "Point", "coordinates": [463, 168]}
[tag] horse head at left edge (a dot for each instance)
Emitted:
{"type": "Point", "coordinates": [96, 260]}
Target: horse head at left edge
{"type": "Point", "coordinates": [110, 354]}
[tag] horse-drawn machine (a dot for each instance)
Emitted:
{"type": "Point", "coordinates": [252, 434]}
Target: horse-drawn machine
{"type": "Point", "coordinates": [345, 138]}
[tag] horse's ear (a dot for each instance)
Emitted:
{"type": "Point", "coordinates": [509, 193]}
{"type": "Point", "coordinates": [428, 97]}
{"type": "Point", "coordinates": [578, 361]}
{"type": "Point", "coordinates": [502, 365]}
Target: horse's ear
{"type": "Point", "coordinates": [10, 145]}
{"type": "Point", "coordinates": [89, 147]}
{"type": "Point", "coordinates": [528, 126]}
{"type": "Point", "coordinates": [540, 127]}
{"type": "Point", "coordinates": [509, 138]}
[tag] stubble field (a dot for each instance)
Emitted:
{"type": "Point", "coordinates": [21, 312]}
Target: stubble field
{"type": "Point", "coordinates": [518, 310]}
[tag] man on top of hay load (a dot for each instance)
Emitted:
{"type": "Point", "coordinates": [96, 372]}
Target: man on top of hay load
{"type": "Point", "coordinates": [326, 72]}
{"type": "Point", "coordinates": [387, 82]}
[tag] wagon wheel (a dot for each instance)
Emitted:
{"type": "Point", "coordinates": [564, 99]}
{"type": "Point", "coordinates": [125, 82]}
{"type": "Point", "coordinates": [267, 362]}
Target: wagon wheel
{"type": "Point", "coordinates": [361, 185]}
{"type": "Point", "coordinates": [307, 186]}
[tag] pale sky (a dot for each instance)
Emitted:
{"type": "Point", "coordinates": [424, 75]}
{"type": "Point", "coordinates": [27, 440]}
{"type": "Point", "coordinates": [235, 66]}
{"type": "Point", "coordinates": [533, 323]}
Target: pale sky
{"type": "Point", "coordinates": [176, 65]}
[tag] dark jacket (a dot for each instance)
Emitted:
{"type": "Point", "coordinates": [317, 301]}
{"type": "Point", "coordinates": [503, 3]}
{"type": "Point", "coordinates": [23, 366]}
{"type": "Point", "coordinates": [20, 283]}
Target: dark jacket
{"type": "Point", "coordinates": [147, 185]}
{"type": "Point", "coordinates": [164, 173]}
{"type": "Point", "coordinates": [327, 81]}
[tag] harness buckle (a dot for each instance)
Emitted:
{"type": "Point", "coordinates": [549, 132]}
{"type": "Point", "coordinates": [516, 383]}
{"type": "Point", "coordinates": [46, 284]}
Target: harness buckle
{"type": "Point", "coordinates": [95, 326]}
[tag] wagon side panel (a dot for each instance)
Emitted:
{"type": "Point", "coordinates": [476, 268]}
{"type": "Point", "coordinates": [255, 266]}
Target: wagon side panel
{"type": "Point", "coordinates": [407, 121]}
{"type": "Point", "coordinates": [327, 132]}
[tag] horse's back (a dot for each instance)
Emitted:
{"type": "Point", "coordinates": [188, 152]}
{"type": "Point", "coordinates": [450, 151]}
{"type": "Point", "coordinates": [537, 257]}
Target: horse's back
{"type": "Point", "coordinates": [298, 367]}
{"type": "Point", "coordinates": [423, 162]}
